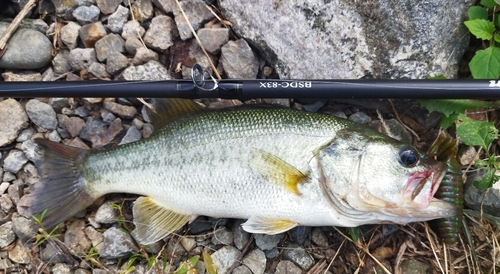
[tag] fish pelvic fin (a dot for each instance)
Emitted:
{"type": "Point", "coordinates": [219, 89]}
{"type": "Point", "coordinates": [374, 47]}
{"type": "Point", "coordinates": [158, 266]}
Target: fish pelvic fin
{"type": "Point", "coordinates": [61, 191]}
{"type": "Point", "coordinates": [268, 226]}
{"type": "Point", "coordinates": [153, 221]}
{"type": "Point", "coordinates": [163, 111]}
{"type": "Point", "coordinates": [276, 171]}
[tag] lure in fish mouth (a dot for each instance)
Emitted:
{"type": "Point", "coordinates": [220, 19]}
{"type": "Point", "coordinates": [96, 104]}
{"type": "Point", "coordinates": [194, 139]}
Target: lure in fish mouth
{"type": "Point", "coordinates": [278, 168]}
{"type": "Point", "coordinates": [422, 185]}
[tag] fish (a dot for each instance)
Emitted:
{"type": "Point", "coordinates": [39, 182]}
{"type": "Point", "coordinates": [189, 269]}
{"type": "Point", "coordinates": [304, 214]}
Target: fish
{"type": "Point", "coordinates": [276, 167]}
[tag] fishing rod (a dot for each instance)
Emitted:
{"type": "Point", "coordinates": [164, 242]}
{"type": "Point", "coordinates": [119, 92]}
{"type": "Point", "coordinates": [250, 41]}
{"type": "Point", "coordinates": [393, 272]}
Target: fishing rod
{"type": "Point", "coordinates": [200, 87]}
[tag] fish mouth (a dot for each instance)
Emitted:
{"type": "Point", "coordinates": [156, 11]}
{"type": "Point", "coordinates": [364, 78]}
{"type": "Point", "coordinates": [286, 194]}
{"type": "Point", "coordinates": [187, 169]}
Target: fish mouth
{"type": "Point", "coordinates": [422, 185]}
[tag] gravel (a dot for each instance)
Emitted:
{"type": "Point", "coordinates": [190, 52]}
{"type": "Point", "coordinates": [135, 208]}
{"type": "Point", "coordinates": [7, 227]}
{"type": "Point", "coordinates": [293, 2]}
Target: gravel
{"type": "Point", "coordinates": [101, 40]}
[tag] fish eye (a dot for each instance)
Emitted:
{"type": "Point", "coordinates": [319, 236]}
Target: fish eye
{"type": "Point", "coordinates": [408, 156]}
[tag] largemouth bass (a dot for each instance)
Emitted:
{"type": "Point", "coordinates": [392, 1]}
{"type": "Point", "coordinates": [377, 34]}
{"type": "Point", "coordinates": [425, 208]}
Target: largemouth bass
{"type": "Point", "coordinates": [276, 167]}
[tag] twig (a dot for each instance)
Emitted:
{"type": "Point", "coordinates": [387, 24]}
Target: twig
{"type": "Point", "coordinates": [335, 256]}
{"type": "Point", "coordinates": [365, 250]}
{"type": "Point", "coordinates": [399, 119]}
{"type": "Point", "coordinates": [432, 246]}
{"type": "Point", "coordinates": [198, 40]}
{"type": "Point", "coordinates": [238, 261]}
{"type": "Point", "coordinates": [13, 26]}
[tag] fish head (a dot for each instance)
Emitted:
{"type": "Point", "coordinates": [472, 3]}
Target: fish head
{"type": "Point", "coordinates": [364, 171]}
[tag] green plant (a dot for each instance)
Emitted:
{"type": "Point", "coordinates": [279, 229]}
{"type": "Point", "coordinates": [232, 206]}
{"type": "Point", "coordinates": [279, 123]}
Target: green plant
{"type": "Point", "coordinates": [43, 235]}
{"type": "Point", "coordinates": [187, 267]}
{"type": "Point", "coordinates": [121, 218]}
{"type": "Point", "coordinates": [471, 132]}
{"type": "Point", "coordinates": [480, 133]}
{"type": "Point", "coordinates": [484, 23]}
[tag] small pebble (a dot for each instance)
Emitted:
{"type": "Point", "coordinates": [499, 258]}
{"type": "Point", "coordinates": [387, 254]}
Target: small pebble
{"type": "Point", "coordinates": [267, 242]}
{"type": "Point", "coordinates": [80, 59]}
{"type": "Point", "coordinates": [109, 44]}
{"type": "Point", "coordinates": [132, 135]}
{"type": "Point", "coordinates": [109, 6]}
{"type": "Point", "coordinates": [91, 33]}
{"type": "Point", "coordinates": [298, 255]}
{"type": "Point", "coordinates": [69, 34]}
{"type": "Point", "coordinates": [20, 253]}
{"type": "Point", "coordinates": [255, 261]}
{"type": "Point", "coordinates": [126, 112]}
{"type": "Point", "coordinates": [117, 244]}
{"type": "Point", "coordinates": [132, 29]}
{"type": "Point", "coordinates": [13, 121]}
{"type": "Point", "coordinates": [86, 14]}
{"type": "Point", "coordinates": [144, 55]}
{"type": "Point", "coordinates": [142, 10]}
{"type": "Point", "coordinates": [188, 243]}
{"type": "Point", "coordinates": [116, 62]}
{"type": "Point", "coordinates": [106, 214]}
{"type": "Point", "coordinates": [222, 236]}
{"type": "Point", "coordinates": [7, 235]}
{"type": "Point", "coordinates": [159, 35]}
{"type": "Point", "coordinates": [99, 71]}
{"type": "Point", "coordinates": [42, 114]}
{"type": "Point", "coordinates": [360, 118]}
{"type": "Point", "coordinates": [224, 258]}
{"type": "Point", "coordinates": [239, 60]}
{"type": "Point", "coordinates": [75, 238]}
{"type": "Point", "coordinates": [117, 19]}
{"type": "Point", "coordinates": [287, 267]}
{"type": "Point", "coordinates": [14, 161]}
{"type": "Point", "coordinates": [23, 227]}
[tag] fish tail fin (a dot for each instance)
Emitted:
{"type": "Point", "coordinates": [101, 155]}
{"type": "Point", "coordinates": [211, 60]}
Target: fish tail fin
{"type": "Point", "coordinates": [61, 191]}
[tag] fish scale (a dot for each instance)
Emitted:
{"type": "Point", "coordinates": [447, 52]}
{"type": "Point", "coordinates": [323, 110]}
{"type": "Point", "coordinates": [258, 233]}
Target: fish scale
{"type": "Point", "coordinates": [277, 167]}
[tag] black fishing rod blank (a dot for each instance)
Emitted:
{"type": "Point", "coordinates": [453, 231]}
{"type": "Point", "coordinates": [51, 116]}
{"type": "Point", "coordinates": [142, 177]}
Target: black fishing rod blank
{"type": "Point", "coordinates": [199, 87]}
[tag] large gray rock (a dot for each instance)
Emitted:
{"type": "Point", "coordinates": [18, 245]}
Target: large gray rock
{"type": "Point", "coordinates": [21, 55]}
{"type": "Point", "coordinates": [352, 39]}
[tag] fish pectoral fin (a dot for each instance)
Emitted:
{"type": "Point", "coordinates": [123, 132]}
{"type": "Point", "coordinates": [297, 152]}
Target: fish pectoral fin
{"type": "Point", "coordinates": [267, 225]}
{"type": "Point", "coordinates": [154, 222]}
{"type": "Point", "coordinates": [276, 171]}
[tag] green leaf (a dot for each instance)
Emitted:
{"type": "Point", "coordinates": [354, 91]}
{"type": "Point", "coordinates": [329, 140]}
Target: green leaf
{"type": "Point", "coordinates": [446, 122]}
{"type": "Point", "coordinates": [497, 37]}
{"type": "Point", "coordinates": [486, 64]}
{"type": "Point", "coordinates": [481, 163]}
{"type": "Point", "coordinates": [209, 265]}
{"type": "Point", "coordinates": [476, 133]}
{"type": "Point", "coordinates": [477, 12]}
{"type": "Point", "coordinates": [355, 233]}
{"type": "Point", "coordinates": [481, 28]}
{"type": "Point", "coordinates": [489, 3]}
{"type": "Point", "coordinates": [454, 106]}
{"type": "Point", "coordinates": [488, 179]}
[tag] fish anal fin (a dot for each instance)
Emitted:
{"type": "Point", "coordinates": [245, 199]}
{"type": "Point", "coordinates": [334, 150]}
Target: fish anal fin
{"type": "Point", "coordinates": [268, 226]}
{"type": "Point", "coordinates": [276, 171]}
{"type": "Point", "coordinates": [153, 221]}
{"type": "Point", "coordinates": [165, 110]}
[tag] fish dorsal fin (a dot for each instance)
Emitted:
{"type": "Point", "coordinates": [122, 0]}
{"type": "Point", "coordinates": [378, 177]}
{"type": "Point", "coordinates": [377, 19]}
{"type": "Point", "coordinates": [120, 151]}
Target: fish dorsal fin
{"type": "Point", "coordinates": [166, 110]}
{"type": "Point", "coordinates": [154, 222]}
{"type": "Point", "coordinates": [268, 226]}
{"type": "Point", "coordinates": [276, 171]}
